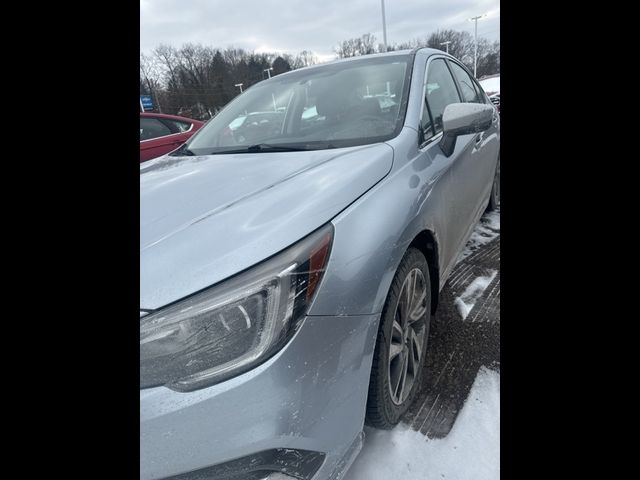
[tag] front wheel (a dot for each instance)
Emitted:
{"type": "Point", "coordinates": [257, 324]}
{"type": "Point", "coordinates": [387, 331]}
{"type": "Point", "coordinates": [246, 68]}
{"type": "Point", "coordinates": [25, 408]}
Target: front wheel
{"type": "Point", "coordinates": [494, 200]}
{"type": "Point", "coordinates": [401, 343]}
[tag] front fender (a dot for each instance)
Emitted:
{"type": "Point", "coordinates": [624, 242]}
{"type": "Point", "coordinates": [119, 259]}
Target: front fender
{"type": "Point", "coordinates": [372, 235]}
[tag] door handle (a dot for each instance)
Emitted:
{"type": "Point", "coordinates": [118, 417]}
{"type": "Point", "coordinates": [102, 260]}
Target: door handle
{"type": "Point", "coordinates": [479, 138]}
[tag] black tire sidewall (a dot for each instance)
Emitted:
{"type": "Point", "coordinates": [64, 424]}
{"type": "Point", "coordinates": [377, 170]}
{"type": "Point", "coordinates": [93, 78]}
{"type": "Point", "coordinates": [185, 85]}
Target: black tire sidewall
{"type": "Point", "coordinates": [412, 259]}
{"type": "Point", "coordinates": [494, 202]}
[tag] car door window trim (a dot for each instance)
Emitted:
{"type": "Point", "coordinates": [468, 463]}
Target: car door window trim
{"type": "Point", "coordinates": [424, 92]}
{"type": "Point", "coordinates": [425, 103]}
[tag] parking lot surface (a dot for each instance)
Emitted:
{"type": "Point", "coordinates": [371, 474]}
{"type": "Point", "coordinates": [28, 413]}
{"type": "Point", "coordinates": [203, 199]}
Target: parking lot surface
{"type": "Point", "coordinates": [464, 335]}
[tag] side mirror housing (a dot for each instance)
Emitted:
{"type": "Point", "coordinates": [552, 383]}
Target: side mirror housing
{"type": "Point", "coordinates": [463, 119]}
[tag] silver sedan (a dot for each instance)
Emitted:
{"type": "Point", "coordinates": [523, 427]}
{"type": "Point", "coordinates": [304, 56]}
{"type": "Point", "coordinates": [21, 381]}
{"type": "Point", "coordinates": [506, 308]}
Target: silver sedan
{"type": "Point", "coordinates": [290, 264]}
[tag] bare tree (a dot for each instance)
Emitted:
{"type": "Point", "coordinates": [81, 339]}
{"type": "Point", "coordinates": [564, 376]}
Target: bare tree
{"type": "Point", "coordinates": [353, 47]}
{"type": "Point", "coordinates": [415, 43]}
{"type": "Point", "coordinates": [461, 42]}
{"type": "Point", "coordinates": [488, 58]}
{"type": "Point", "coordinates": [150, 78]}
{"type": "Point", "coordinates": [195, 79]}
{"type": "Point", "coordinates": [280, 65]}
{"type": "Point", "coordinates": [304, 59]}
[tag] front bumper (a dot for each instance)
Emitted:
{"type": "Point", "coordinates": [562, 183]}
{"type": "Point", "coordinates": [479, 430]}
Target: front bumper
{"type": "Point", "coordinates": [310, 396]}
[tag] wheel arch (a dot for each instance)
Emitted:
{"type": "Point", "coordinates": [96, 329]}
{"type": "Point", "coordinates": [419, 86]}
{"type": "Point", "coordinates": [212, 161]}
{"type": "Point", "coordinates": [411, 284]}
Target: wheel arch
{"type": "Point", "coordinates": [426, 242]}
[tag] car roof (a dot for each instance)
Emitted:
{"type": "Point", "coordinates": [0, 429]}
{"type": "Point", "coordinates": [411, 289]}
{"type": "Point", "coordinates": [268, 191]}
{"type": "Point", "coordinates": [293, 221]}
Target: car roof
{"type": "Point", "coordinates": [395, 53]}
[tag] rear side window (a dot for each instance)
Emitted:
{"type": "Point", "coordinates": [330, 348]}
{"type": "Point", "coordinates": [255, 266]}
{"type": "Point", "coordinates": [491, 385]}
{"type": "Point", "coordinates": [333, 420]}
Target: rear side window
{"type": "Point", "coordinates": [441, 91]}
{"type": "Point", "coordinates": [152, 128]}
{"type": "Point", "coordinates": [181, 126]}
{"type": "Point", "coordinates": [468, 88]}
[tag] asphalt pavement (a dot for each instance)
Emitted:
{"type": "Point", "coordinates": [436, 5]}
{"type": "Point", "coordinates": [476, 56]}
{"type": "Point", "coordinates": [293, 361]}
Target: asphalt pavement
{"type": "Point", "coordinates": [459, 346]}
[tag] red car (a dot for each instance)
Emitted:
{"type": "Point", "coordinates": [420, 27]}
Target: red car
{"type": "Point", "coordinates": [160, 133]}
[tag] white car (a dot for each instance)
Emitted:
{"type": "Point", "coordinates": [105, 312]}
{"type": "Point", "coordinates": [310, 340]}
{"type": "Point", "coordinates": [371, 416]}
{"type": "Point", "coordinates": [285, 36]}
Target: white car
{"type": "Point", "coordinates": [491, 86]}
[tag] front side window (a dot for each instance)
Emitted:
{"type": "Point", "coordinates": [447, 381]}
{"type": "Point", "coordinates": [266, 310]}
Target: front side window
{"type": "Point", "coordinates": [441, 91]}
{"type": "Point", "coordinates": [341, 104]}
{"type": "Point", "coordinates": [467, 85]}
{"type": "Point", "coordinates": [426, 122]}
{"type": "Point", "coordinates": [426, 125]}
{"type": "Point", "coordinates": [152, 128]}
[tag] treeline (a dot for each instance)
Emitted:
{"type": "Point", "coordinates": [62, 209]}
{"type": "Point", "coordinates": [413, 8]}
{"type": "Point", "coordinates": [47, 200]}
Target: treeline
{"type": "Point", "coordinates": [197, 81]}
{"type": "Point", "coordinates": [461, 45]}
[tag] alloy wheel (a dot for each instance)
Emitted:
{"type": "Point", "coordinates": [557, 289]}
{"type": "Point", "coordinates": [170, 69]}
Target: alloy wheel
{"type": "Point", "coordinates": [407, 337]}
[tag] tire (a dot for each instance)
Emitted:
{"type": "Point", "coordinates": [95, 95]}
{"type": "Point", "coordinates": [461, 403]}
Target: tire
{"type": "Point", "coordinates": [494, 199]}
{"type": "Point", "coordinates": [407, 330]}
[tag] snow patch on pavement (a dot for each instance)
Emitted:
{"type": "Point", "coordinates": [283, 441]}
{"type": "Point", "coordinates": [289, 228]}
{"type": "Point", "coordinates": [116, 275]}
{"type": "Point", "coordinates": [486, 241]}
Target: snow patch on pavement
{"type": "Point", "coordinates": [472, 293]}
{"type": "Point", "coordinates": [487, 229]}
{"type": "Point", "coordinates": [471, 451]}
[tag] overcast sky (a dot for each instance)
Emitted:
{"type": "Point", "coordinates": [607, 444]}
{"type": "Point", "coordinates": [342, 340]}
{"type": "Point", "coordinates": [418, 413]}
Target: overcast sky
{"type": "Point", "coordinates": [291, 26]}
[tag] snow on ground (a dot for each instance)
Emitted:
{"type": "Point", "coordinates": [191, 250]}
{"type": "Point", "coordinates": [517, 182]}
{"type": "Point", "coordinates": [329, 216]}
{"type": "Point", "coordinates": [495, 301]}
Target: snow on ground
{"type": "Point", "coordinates": [471, 451]}
{"type": "Point", "coordinates": [472, 293]}
{"type": "Point", "coordinates": [487, 229]}
{"type": "Point", "coordinates": [491, 84]}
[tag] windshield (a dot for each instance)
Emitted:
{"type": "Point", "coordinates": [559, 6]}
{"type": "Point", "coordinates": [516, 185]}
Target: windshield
{"type": "Point", "coordinates": [335, 105]}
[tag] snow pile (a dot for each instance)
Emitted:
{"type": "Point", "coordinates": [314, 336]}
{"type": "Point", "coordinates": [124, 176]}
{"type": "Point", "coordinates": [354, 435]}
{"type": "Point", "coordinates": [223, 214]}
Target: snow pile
{"type": "Point", "coordinates": [487, 229]}
{"type": "Point", "coordinates": [491, 85]}
{"type": "Point", "coordinates": [472, 293]}
{"type": "Point", "coordinates": [471, 451]}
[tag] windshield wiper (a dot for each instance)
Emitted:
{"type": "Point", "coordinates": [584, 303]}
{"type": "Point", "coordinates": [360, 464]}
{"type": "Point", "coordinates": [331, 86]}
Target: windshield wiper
{"type": "Point", "coordinates": [268, 147]}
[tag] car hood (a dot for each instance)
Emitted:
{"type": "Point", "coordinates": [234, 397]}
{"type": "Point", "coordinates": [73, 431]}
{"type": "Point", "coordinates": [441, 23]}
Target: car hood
{"type": "Point", "coordinates": [206, 218]}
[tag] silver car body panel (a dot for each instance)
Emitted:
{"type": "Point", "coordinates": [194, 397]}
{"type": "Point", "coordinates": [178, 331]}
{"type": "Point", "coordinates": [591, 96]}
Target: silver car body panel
{"type": "Point", "coordinates": [204, 219]}
{"type": "Point", "coordinates": [425, 190]}
{"type": "Point", "coordinates": [309, 396]}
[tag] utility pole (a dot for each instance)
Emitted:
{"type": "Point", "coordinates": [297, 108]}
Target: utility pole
{"type": "Point", "coordinates": [155, 94]}
{"type": "Point", "coordinates": [384, 28]}
{"type": "Point", "coordinates": [239, 85]}
{"type": "Point", "coordinates": [447, 44]}
{"type": "Point", "coordinates": [475, 49]}
{"type": "Point", "coordinates": [268, 70]}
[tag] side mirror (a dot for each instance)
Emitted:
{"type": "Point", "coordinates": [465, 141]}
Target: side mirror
{"type": "Point", "coordinates": [463, 119]}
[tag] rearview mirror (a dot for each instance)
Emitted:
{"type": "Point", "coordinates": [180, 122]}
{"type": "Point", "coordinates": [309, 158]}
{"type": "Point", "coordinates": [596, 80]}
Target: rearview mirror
{"type": "Point", "coordinates": [463, 119]}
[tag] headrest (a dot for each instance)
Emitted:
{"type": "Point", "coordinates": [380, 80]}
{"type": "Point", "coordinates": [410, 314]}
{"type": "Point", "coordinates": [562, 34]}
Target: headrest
{"type": "Point", "coordinates": [330, 103]}
{"type": "Point", "coordinates": [338, 93]}
{"type": "Point", "coordinates": [370, 106]}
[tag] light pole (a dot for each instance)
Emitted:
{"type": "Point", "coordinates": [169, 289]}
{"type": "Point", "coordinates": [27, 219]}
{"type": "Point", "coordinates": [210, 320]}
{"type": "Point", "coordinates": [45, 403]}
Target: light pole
{"type": "Point", "coordinates": [384, 28]}
{"type": "Point", "coordinates": [239, 85]}
{"type": "Point", "coordinates": [447, 44]}
{"type": "Point", "coordinates": [475, 49]}
{"type": "Point", "coordinates": [268, 70]}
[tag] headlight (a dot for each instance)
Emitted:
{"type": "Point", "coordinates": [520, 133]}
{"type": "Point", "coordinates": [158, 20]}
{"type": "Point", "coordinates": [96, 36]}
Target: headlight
{"type": "Point", "coordinates": [235, 325]}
